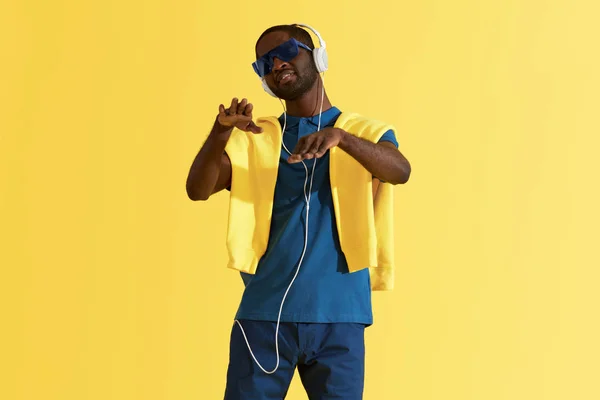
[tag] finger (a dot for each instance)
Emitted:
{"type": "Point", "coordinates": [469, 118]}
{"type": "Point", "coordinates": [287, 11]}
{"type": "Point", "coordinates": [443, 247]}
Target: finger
{"type": "Point", "coordinates": [314, 148]}
{"type": "Point", "coordinates": [222, 112]}
{"type": "Point", "coordinates": [301, 149]}
{"type": "Point", "coordinates": [223, 118]}
{"type": "Point", "coordinates": [299, 144]}
{"type": "Point", "coordinates": [233, 108]}
{"type": "Point", "coordinates": [304, 144]}
{"type": "Point", "coordinates": [323, 149]}
{"type": "Point", "coordinates": [248, 110]}
{"type": "Point", "coordinates": [255, 128]}
{"type": "Point", "coordinates": [321, 152]}
{"type": "Point", "coordinates": [294, 158]}
{"type": "Point", "coordinates": [241, 106]}
{"type": "Point", "coordinates": [308, 145]}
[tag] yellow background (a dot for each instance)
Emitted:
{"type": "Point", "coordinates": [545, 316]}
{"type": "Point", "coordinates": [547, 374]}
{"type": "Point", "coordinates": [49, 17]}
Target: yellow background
{"type": "Point", "coordinates": [114, 284]}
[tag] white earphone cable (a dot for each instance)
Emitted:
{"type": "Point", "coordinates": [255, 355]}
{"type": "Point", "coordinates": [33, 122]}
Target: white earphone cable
{"type": "Point", "coordinates": [307, 200]}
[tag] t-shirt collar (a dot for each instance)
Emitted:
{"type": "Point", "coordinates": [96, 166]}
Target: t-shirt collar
{"type": "Point", "coordinates": [326, 118]}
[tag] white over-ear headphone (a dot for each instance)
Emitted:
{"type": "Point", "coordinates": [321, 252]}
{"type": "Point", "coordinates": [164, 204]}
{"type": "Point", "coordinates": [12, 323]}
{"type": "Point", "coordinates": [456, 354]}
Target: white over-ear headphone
{"type": "Point", "coordinates": [319, 55]}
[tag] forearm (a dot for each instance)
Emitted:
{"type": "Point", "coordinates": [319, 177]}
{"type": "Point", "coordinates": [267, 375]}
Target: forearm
{"type": "Point", "coordinates": [206, 168]}
{"type": "Point", "coordinates": [383, 162]}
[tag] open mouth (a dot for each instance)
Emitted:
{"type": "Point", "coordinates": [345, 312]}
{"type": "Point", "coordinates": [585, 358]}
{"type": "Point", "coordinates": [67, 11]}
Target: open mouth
{"type": "Point", "coordinates": [286, 77]}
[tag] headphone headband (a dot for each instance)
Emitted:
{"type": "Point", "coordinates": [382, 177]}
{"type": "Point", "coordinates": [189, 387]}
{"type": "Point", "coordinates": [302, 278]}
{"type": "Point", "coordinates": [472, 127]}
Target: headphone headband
{"type": "Point", "coordinates": [321, 41]}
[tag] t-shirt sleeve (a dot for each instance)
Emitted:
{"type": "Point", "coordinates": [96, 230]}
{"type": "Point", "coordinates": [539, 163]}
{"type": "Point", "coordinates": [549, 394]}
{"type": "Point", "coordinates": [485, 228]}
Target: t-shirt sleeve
{"type": "Point", "coordinates": [389, 136]}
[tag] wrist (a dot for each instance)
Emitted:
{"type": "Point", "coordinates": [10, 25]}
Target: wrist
{"type": "Point", "coordinates": [220, 130]}
{"type": "Point", "coordinates": [343, 135]}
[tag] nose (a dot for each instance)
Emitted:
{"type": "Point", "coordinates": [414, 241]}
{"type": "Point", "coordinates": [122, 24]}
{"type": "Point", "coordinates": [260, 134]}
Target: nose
{"type": "Point", "coordinates": [279, 64]}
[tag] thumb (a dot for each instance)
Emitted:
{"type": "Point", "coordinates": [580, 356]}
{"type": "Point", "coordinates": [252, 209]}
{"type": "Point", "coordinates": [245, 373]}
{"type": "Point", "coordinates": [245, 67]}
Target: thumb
{"type": "Point", "coordinates": [254, 128]}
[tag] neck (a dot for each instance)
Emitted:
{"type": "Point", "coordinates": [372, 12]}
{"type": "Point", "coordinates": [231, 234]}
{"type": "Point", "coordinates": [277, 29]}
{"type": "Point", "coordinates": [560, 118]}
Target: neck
{"type": "Point", "coordinates": [309, 104]}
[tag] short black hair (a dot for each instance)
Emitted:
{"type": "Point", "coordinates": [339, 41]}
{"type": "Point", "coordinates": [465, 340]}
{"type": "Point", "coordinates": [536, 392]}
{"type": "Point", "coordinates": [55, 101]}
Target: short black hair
{"type": "Point", "coordinates": [294, 31]}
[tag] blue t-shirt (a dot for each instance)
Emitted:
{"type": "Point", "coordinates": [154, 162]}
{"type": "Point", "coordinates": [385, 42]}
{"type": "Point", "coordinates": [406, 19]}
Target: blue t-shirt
{"type": "Point", "coordinates": [324, 291]}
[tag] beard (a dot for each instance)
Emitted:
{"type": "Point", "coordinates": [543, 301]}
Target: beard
{"type": "Point", "coordinates": [303, 83]}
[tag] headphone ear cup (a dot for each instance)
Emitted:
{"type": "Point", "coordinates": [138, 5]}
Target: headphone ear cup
{"type": "Point", "coordinates": [321, 60]}
{"type": "Point", "coordinates": [267, 88]}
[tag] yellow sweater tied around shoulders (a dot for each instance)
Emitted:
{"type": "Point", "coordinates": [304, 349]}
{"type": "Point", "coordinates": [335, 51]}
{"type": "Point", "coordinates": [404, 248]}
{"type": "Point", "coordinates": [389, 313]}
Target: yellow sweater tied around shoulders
{"type": "Point", "coordinates": [364, 224]}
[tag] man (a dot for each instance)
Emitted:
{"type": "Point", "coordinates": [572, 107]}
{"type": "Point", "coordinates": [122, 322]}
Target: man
{"type": "Point", "coordinates": [320, 328]}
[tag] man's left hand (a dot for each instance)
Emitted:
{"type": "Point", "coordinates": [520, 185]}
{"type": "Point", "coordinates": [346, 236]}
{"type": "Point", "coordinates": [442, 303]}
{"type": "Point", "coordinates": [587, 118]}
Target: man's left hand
{"type": "Point", "coordinates": [316, 144]}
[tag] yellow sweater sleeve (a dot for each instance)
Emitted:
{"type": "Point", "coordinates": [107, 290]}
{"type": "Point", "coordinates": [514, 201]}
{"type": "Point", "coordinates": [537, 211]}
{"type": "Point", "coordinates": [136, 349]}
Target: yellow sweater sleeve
{"type": "Point", "coordinates": [254, 162]}
{"type": "Point", "coordinates": [365, 225]}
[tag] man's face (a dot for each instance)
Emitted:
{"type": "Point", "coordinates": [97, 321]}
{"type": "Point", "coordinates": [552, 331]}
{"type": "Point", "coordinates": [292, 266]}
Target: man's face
{"type": "Point", "coordinates": [288, 80]}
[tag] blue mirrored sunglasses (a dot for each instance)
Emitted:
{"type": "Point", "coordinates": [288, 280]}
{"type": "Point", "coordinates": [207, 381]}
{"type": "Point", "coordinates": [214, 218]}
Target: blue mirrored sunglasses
{"type": "Point", "coordinates": [285, 52]}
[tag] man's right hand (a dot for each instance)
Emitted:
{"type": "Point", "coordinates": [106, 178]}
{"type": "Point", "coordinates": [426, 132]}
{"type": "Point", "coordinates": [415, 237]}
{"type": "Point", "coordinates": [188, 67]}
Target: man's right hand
{"type": "Point", "coordinates": [238, 115]}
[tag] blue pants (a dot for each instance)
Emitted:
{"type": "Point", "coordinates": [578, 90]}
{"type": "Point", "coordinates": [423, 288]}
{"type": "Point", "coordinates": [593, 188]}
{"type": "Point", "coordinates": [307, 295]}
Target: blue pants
{"type": "Point", "coordinates": [329, 357]}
